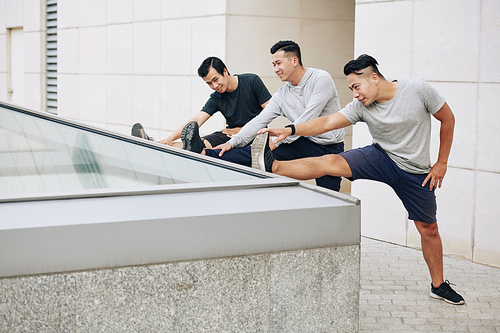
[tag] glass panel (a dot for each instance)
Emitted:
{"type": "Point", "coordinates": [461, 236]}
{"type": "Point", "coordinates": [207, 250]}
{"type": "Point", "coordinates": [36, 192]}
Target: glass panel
{"type": "Point", "coordinates": [41, 155]}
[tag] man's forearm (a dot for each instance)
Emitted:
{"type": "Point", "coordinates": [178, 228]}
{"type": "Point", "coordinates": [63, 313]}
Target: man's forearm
{"type": "Point", "coordinates": [447, 119]}
{"type": "Point", "coordinates": [321, 125]}
{"type": "Point", "coordinates": [445, 141]}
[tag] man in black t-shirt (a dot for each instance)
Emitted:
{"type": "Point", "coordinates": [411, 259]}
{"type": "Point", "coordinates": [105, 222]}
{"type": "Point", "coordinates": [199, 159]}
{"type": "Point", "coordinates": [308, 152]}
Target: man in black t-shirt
{"type": "Point", "coordinates": [238, 97]}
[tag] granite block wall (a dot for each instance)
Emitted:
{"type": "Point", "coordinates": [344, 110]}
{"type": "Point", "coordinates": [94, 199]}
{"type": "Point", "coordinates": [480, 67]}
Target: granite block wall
{"type": "Point", "coordinates": [300, 291]}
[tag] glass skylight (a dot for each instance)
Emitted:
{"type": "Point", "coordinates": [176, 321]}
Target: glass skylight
{"type": "Point", "coordinates": [41, 153]}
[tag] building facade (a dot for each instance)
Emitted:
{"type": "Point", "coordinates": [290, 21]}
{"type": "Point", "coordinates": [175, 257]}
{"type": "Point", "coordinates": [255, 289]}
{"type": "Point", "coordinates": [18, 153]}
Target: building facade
{"type": "Point", "coordinates": [125, 61]}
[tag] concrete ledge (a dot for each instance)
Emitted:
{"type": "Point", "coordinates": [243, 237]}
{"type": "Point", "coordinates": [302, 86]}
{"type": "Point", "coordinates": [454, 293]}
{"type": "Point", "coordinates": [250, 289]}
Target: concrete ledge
{"type": "Point", "coordinates": [54, 236]}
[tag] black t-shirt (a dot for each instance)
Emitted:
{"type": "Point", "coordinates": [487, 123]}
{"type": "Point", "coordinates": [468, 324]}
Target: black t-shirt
{"type": "Point", "coordinates": [241, 105]}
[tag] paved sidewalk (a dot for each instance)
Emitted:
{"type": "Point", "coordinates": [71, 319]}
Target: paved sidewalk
{"type": "Point", "coordinates": [394, 295]}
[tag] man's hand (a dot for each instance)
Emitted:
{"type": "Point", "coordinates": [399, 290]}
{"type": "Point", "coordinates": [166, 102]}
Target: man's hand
{"type": "Point", "coordinates": [168, 141]}
{"type": "Point", "coordinates": [272, 146]}
{"type": "Point", "coordinates": [231, 131]}
{"type": "Point", "coordinates": [436, 175]}
{"type": "Point", "coordinates": [281, 133]}
{"type": "Point", "coordinates": [223, 148]}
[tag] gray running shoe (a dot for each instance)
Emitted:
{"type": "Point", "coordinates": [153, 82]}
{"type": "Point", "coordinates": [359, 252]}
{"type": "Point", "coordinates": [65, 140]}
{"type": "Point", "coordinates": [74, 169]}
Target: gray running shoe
{"type": "Point", "coordinates": [138, 131]}
{"type": "Point", "coordinates": [191, 139]}
{"type": "Point", "coordinates": [262, 156]}
{"type": "Point", "coordinates": [446, 293]}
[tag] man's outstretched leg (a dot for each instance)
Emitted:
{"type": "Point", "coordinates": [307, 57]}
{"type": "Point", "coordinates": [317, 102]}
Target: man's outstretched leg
{"type": "Point", "coordinates": [303, 168]}
{"type": "Point", "coordinates": [432, 250]}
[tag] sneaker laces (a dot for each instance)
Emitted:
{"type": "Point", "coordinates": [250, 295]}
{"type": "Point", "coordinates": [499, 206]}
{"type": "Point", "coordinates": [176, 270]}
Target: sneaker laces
{"type": "Point", "coordinates": [449, 283]}
{"type": "Point", "coordinates": [447, 287]}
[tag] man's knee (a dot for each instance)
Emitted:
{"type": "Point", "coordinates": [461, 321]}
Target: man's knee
{"type": "Point", "coordinates": [330, 159]}
{"type": "Point", "coordinates": [427, 229]}
{"type": "Point", "coordinates": [335, 165]}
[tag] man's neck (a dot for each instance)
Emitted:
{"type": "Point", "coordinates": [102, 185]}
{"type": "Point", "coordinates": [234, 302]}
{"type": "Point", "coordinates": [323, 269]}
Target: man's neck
{"type": "Point", "coordinates": [387, 90]}
{"type": "Point", "coordinates": [232, 83]}
{"type": "Point", "coordinates": [297, 75]}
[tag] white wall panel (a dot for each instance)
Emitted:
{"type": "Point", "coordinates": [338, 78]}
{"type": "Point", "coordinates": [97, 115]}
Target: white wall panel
{"type": "Point", "coordinates": [487, 212]}
{"type": "Point", "coordinates": [462, 99]}
{"type": "Point", "coordinates": [14, 13]}
{"type": "Point", "coordinates": [446, 40]}
{"type": "Point", "coordinates": [92, 98]}
{"type": "Point", "coordinates": [67, 14]}
{"type": "Point", "coordinates": [119, 99]}
{"type": "Point", "coordinates": [389, 40]}
{"type": "Point", "coordinates": [68, 51]}
{"type": "Point", "coordinates": [120, 11]}
{"type": "Point", "coordinates": [176, 47]}
{"type": "Point", "coordinates": [92, 13]}
{"type": "Point", "coordinates": [68, 101]}
{"type": "Point", "coordinates": [147, 48]}
{"type": "Point", "coordinates": [175, 91]}
{"type": "Point", "coordinates": [208, 39]}
{"type": "Point", "coordinates": [120, 49]}
{"type": "Point", "coordinates": [489, 67]}
{"type": "Point", "coordinates": [456, 212]}
{"type": "Point", "coordinates": [33, 15]}
{"type": "Point", "coordinates": [147, 100]}
{"type": "Point", "coordinates": [147, 10]}
{"type": "Point", "coordinates": [488, 134]}
{"type": "Point", "coordinates": [33, 49]}
{"type": "Point", "coordinates": [176, 9]}
{"type": "Point", "coordinates": [92, 54]}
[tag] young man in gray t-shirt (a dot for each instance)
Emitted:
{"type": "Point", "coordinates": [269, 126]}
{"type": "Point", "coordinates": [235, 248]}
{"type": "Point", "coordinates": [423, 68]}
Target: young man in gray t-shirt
{"type": "Point", "coordinates": [398, 115]}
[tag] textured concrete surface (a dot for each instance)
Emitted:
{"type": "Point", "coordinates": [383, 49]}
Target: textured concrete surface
{"type": "Point", "coordinates": [301, 291]}
{"type": "Point", "coordinates": [394, 294]}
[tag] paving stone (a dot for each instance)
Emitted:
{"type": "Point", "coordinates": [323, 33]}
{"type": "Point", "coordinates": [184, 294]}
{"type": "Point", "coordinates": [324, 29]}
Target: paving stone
{"type": "Point", "coordinates": [404, 305]}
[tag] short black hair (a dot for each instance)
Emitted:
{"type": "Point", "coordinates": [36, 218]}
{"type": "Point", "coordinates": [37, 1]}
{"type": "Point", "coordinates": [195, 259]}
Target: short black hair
{"type": "Point", "coordinates": [362, 62]}
{"type": "Point", "coordinates": [287, 46]}
{"type": "Point", "coordinates": [213, 62]}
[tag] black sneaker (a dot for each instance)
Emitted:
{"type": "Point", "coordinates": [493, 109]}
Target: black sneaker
{"type": "Point", "coordinates": [262, 156]}
{"type": "Point", "coordinates": [138, 131]}
{"type": "Point", "coordinates": [191, 139]}
{"type": "Point", "coordinates": [446, 293]}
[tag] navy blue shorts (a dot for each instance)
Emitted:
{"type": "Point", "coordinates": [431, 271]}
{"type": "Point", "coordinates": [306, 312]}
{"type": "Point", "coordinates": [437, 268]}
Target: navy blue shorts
{"type": "Point", "coordinates": [373, 163]}
{"type": "Point", "coordinates": [216, 138]}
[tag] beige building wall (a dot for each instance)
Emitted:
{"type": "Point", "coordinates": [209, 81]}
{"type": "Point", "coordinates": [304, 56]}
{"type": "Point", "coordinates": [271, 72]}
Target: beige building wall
{"type": "Point", "coordinates": [125, 61]}
{"type": "Point", "coordinates": [323, 28]}
{"type": "Point", "coordinates": [28, 17]}
{"type": "Point", "coordinates": [456, 48]}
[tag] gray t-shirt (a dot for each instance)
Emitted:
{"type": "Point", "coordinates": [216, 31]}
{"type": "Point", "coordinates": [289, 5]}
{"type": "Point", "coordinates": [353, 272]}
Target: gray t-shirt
{"type": "Point", "coordinates": [313, 97]}
{"type": "Point", "coordinates": [402, 126]}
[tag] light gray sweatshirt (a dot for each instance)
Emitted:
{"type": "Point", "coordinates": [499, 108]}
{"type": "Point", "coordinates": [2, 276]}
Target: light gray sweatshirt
{"type": "Point", "coordinates": [314, 96]}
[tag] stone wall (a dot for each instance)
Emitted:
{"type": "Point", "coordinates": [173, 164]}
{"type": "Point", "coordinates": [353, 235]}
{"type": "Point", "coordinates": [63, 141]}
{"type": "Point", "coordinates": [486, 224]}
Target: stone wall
{"type": "Point", "coordinates": [299, 291]}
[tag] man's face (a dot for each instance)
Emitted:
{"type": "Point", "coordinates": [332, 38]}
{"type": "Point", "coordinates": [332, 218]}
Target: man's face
{"type": "Point", "coordinates": [363, 88]}
{"type": "Point", "coordinates": [217, 81]}
{"type": "Point", "coordinates": [283, 65]}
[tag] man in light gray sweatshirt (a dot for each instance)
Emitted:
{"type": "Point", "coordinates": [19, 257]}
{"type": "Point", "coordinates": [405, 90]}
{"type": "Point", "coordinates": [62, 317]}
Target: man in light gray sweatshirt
{"type": "Point", "coordinates": [309, 93]}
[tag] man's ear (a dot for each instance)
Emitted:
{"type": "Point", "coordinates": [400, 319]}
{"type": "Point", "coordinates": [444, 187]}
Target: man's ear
{"type": "Point", "coordinates": [295, 61]}
{"type": "Point", "coordinates": [374, 78]}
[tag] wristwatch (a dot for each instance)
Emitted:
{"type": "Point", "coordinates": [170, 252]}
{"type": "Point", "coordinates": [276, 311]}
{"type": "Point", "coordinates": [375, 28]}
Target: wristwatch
{"type": "Point", "coordinates": [292, 126]}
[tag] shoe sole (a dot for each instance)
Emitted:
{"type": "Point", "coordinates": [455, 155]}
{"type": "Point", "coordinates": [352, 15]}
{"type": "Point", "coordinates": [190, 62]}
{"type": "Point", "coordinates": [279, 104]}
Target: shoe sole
{"type": "Point", "coordinates": [187, 135]}
{"type": "Point", "coordinates": [446, 300]}
{"type": "Point", "coordinates": [258, 148]}
{"type": "Point", "coordinates": [138, 131]}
